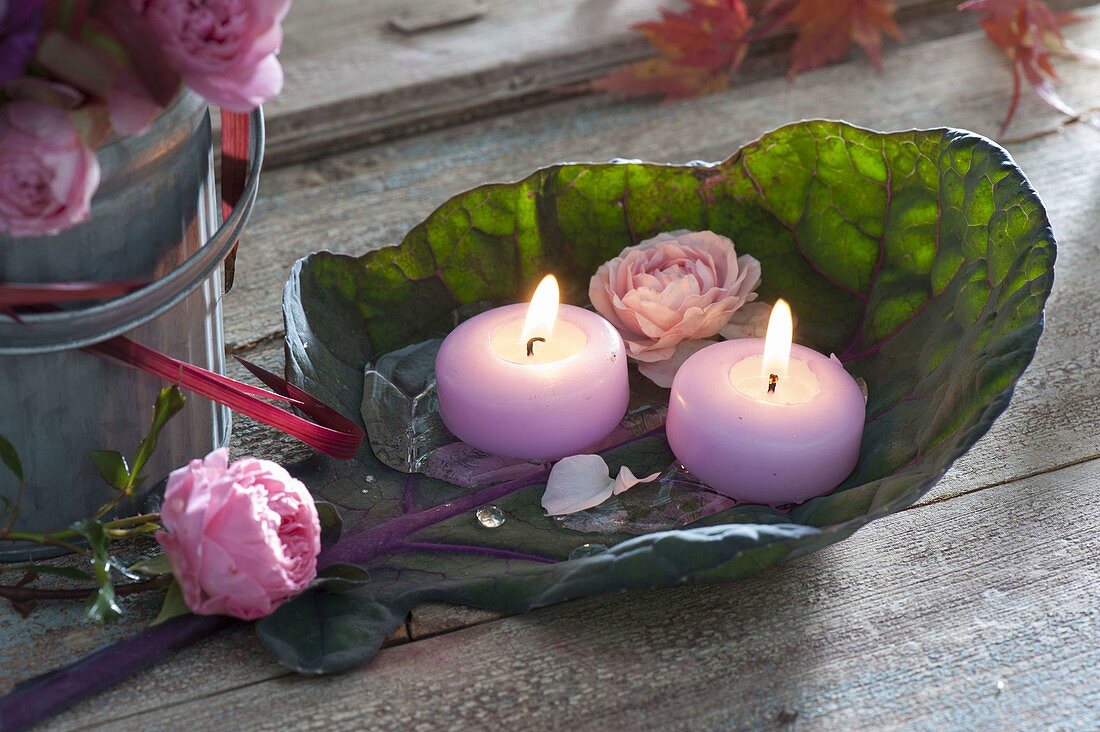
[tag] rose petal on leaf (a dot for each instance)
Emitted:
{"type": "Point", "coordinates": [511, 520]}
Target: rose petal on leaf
{"type": "Point", "coordinates": [580, 482]}
{"type": "Point", "coordinates": [576, 483]}
{"type": "Point", "coordinates": [627, 480]}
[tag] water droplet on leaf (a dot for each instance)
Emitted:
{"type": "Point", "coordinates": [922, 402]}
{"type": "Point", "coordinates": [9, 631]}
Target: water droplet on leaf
{"type": "Point", "coordinates": [587, 550]}
{"type": "Point", "coordinates": [490, 517]}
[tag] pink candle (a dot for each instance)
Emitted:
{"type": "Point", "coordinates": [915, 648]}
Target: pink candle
{"type": "Point", "coordinates": [536, 382]}
{"type": "Point", "coordinates": [766, 422]}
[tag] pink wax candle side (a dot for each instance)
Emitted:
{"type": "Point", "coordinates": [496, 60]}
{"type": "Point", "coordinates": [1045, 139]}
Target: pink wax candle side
{"type": "Point", "coordinates": [755, 448]}
{"type": "Point", "coordinates": [532, 411]}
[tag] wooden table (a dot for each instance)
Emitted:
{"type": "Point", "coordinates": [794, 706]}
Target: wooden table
{"type": "Point", "coordinates": [976, 608]}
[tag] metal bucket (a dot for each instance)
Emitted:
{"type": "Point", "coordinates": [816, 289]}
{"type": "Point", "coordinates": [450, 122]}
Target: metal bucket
{"type": "Point", "coordinates": [154, 217]}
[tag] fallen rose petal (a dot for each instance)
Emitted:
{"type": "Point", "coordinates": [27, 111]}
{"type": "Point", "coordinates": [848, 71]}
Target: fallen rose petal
{"type": "Point", "coordinates": [576, 483]}
{"type": "Point", "coordinates": [627, 480]}
{"type": "Point", "coordinates": [580, 482]}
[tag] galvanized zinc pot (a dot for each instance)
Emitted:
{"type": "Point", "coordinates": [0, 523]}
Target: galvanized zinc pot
{"type": "Point", "coordinates": [154, 217]}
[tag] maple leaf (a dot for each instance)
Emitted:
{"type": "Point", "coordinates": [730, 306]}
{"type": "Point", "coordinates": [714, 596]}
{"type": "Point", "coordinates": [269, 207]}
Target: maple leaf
{"type": "Point", "coordinates": [827, 28]}
{"type": "Point", "coordinates": [700, 49]}
{"type": "Point", "coordinates": [1029, 33]}
{"type": "Point", "coordinates": [659, 77]}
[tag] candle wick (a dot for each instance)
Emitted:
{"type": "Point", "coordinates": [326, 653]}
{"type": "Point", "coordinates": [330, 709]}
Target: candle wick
{"type": "Point", "coordinates": [773, 379]}
{"type": "Point", "coordinates": [531, 345]}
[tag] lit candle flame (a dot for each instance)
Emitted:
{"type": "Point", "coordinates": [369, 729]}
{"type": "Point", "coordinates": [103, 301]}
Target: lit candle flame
{"type": "Point", "coordinates": [542, 313]}
{"type": "Point", "coordinates": [777, 342]}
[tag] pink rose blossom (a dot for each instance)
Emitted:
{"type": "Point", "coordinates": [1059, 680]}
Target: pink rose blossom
{"type": "Point", "coordinates": [675, 287]}
{"type": "Point", "coordinates": [241, 538]}
{"type": "Point", "coordinates": [47, 173]}
{"type": "Point", "coordinates": [749, 321]}
{"type": "Point", "coordinates": [223, 49]}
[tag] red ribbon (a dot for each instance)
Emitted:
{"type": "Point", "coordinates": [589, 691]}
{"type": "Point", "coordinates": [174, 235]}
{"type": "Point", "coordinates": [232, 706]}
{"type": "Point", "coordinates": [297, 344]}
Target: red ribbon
{"type": "Point", "coordinates": [330, 432]}
{"type": "Point", "coordinates": [15, 295]}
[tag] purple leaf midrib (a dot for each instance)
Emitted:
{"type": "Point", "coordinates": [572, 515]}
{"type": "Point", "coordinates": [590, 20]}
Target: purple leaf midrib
{"type": "Point", "coordinates": [389, 535]}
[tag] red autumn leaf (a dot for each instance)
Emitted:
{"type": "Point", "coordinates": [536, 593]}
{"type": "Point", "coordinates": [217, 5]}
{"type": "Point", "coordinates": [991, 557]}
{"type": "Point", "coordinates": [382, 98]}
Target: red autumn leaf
{"type": "Point", "coordinates": [700, 50]}
{"type": "Point", "coordinates": [659, 77]}
{"type": "Point", "coordinates": [827, 28]}
{"type": "Point", "coordinates": [1029, 33]}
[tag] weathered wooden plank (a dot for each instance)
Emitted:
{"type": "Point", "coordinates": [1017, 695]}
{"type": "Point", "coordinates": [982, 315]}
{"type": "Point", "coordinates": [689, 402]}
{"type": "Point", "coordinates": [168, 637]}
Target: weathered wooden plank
{"type": "Point", "coordinates": [57, 632]}
{"type": "Point", "coordinates": [351, 78]}
{"type": "Point", "coordinates": [351, 75]}
{"type": "Point", "coordinates": [432, 618]}
{"type": "Point", "coordinates": [975, 613]}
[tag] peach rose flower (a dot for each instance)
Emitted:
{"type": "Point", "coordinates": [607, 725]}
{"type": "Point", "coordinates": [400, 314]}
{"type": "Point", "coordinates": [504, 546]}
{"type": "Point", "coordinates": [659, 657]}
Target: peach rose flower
{"type": "Point", "coordinates": [675, 288]}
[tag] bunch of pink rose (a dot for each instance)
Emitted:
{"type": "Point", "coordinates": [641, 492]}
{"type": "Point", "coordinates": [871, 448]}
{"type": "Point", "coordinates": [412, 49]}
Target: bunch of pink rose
{"type": "Point", "coordinates": [75, 72]}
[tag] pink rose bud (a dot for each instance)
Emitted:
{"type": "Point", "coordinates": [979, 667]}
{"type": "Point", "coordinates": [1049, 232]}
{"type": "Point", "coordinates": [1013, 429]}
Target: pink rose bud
{"type": "Point", "coordinates": [241, 538]}
{"type": "Point", "coordinates": [223, 49]}
{"type": "Point", "coordinates": [675, 287]}
{"type": "Point", "coordinates": [47, 173]}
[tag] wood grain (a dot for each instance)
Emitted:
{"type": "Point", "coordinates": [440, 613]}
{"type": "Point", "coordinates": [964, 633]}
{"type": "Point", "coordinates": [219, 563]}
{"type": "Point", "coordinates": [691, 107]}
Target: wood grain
{"type": "Point", "coordinates": [351, 78]}
{"type": "Point", "coordinates": [976, 613]}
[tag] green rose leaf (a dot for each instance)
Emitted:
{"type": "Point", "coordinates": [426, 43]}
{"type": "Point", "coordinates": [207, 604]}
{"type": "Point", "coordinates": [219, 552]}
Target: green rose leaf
{"type": "Point", "coordinates": [332, 524]}
{"type": "Point", "coordinates": [103, 605]}
{"type": "Point", "coordinates": [10, 458]}
{"type": "Point", "coordinates": [169, 402]}
{"type": "Point", "coordinates": [923, 259]}
{"type": "Point", "coordinates": [112, 467]}
{"type": "Point", "coordinates": [173, 606]}
{"type": "Point", "coordinates": [155, 566]}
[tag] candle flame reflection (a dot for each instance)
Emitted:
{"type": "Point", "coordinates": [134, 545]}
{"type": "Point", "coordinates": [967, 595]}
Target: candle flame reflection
{"type": "Point", "coordinates": [542, 313]}
{"type": "Point", "coordinates": [777, 342]}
